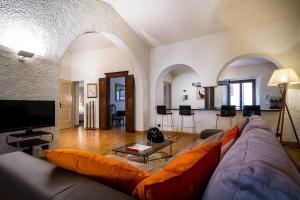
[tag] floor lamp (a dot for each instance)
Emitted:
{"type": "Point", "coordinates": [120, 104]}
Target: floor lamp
{"type": "Point", "coordinates": [281, 78]}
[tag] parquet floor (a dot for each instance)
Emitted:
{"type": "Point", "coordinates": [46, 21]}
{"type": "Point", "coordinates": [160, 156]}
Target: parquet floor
{"type": "Point", "coordinates": [103, 142]}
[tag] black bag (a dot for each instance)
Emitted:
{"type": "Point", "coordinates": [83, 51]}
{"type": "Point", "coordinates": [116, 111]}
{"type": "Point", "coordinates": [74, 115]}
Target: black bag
{"type": "Point", "coordinates": [155, 135]}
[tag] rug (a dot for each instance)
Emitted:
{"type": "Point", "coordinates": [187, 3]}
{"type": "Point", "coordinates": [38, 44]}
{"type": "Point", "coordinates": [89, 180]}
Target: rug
{"type": "Point", "coordinates": [158, 159]}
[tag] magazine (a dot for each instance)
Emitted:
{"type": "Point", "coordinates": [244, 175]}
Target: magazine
{"type": "Point", "coordinates": [138, 148]}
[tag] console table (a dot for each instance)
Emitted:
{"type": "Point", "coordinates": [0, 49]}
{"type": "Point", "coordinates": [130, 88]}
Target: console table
{"type": "Point", "coordinates": [26, 141]}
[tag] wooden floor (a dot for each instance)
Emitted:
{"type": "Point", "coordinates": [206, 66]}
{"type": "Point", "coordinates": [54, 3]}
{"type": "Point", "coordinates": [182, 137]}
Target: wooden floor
{"type": "Point", "coordinates": [103, 142]}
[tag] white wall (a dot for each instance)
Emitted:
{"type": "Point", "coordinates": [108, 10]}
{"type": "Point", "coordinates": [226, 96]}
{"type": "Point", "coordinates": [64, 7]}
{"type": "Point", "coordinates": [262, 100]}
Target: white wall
{"type": "Point", "coordinates": [261, 73]}
{"type": "Point", "coordinates": [184, 82]}
{"type": "Point", "coordinates": [120, 105]}
{"type": "Point", "coordinates": [65, 70]}
{"type": "Point", "coordinates": [208, 55]}
{"type": "Point", "coordinates": [47, 28]}
{"type": "Point", "coordinates": [89, 66]}
{"type": "Point", "coordinates": [168, 78]}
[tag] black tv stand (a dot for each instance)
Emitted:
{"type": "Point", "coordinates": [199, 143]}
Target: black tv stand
{"type": "Point", "coordinates": [29, 131]}
{"type": "Point", "coordinates": [28, 139]}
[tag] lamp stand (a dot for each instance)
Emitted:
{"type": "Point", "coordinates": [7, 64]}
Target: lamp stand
{"type": "Point", "coordinates": [279, 130]}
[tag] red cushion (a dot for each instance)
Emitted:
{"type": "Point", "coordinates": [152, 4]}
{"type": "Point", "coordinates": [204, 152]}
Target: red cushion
{"type": "Point", "coordinates": [231, 134]}
{"type": "Point", "coordinates": [184, 177]}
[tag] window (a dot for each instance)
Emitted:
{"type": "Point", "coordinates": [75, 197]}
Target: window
{"type": "Point", "coordinates": [241, 92]}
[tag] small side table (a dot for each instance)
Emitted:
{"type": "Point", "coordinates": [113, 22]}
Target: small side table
{"type": "Point", "coordinates": [26, 141]}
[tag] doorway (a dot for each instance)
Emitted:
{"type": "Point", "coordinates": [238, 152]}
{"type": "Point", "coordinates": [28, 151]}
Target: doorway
{"type": "Point", "coordinates": [117, 102]}
{"type": "Point", "coordinates": [78, 103]}
{"type": "Point", "coordinates": [168, 94]}
{"type": "Point", "coordinates": [109, 89]}
{"type": "Point", "coordinates": [66, 104]}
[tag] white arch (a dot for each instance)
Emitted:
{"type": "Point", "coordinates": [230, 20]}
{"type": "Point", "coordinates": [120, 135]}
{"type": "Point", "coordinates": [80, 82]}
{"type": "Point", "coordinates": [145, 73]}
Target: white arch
{"type": "Point", "coordinates": [136, 71]}
{"type": "Point", "coordinates": [266, 57]}
{"type": "Point", "coordinates": [63, 22]}
{"type": "Point", "coordinates": [160, 78]}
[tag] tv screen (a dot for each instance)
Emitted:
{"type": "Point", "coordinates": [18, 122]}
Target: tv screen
{"type": "Point", "coordinates": [22, 115]}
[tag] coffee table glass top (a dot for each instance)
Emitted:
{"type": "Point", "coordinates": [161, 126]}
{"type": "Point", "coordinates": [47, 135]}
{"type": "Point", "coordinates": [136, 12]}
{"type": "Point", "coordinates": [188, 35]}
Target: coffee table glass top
{"type": "Point", "coordinates": [154, 147]}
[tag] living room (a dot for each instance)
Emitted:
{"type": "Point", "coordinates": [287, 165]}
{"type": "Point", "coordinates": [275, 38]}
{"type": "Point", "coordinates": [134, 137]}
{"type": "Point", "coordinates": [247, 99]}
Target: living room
{"type": "Point", "coordinates": [201, 55]}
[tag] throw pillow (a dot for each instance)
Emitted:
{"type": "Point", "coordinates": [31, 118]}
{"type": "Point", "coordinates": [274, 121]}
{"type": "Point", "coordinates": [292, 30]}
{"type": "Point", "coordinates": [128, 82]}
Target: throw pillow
{"type": "Point", "coordinates": [110, 171]}
{"type": "Point", "coordinates": [183, 178]}
{"type": "Point", "coordinates": [226, 147]}
{"type": "Point", "coordinates": [231, 134]}
{"type": "Point", "coordinates": [214, 138]}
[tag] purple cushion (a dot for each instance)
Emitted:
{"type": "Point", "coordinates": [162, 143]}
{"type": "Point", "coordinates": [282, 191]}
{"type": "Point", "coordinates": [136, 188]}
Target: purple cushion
{"type": "Point", "coordinates": [255, 167]}
{"type": "Point", "coordinates": [256, 121]}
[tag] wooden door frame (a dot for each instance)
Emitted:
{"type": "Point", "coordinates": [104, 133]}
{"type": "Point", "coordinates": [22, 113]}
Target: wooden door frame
{"type": "Point", "coordinates": [116, 74]}
{"type": "Point", "coordinates": [104, 105]}
{"type": "Point", "coordinates": [108, 76]}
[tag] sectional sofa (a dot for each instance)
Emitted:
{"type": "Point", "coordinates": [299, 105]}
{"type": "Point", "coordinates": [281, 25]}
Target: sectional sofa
{"type": "Point", "coordinates": [255, 166]}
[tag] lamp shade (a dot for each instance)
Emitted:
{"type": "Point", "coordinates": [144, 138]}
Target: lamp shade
{"type": "Point", "coordinates": [281, 76]}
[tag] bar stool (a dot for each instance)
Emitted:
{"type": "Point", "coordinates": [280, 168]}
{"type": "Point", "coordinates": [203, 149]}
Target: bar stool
{"type": "Point", "coordinates": [251, 110]}
{"type": "Point", "coordinates": [186, 111]}
{"type": "Point", "coordinates": [226, 111]}
{"type": "Point", "coordinates": [162, 111]}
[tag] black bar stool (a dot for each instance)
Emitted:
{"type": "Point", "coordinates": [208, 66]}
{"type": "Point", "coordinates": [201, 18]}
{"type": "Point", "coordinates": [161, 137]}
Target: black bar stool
{"type": "Point", "coordinates": [251, 110]}
{"type": "Point", "coordinates": [186, 111]}
{"type": "Point", "coordinates": [226, 111]}
{"type": "Point", "coordinates": [162, 111]}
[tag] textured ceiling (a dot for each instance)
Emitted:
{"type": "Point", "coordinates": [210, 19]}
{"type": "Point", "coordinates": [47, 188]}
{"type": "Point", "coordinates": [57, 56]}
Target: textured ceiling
{"type": "Point", "coordinates": [90, 41]}
{"type": "Point", "coordinates": [161, 22]}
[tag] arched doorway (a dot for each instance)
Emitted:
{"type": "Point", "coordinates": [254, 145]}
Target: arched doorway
{"type": "Point", "coordinates": [174, 75]}
{"type": "Point", "coordinates": [244, 81]}
{"type": "Point", "coordinates": [93, 56]}
{"type": "Point", "coordinates": [174, 86]}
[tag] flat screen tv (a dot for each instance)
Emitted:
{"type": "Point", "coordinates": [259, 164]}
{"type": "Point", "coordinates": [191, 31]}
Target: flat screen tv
{"type": "Point", "coordinates": [26, 115]}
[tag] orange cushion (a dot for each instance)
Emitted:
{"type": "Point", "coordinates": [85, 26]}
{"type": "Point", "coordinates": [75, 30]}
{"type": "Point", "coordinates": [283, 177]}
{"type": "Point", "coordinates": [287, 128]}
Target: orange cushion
{"type": "Point", "coordinates": [231, 134]}
{"type": "Point", "coordinates": [184, 177]}
{"type": "Point", "coordinates": [110, 171]}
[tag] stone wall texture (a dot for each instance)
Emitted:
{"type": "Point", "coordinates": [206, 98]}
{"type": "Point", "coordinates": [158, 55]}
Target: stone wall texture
{"type": "Point", "coordinates": [47, 28]}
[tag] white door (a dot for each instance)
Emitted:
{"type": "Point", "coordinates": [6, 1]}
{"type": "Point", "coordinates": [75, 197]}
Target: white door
{"type": "Point", "coordinates": [66, 104]}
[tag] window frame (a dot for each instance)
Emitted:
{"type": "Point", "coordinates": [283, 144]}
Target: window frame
{"type": "Point", "coordinates": [240, 82]}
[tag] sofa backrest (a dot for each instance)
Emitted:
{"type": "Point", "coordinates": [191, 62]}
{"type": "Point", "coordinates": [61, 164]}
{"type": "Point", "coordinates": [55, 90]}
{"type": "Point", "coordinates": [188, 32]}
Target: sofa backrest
{"type": "Point", "coordinates": [255, 167]}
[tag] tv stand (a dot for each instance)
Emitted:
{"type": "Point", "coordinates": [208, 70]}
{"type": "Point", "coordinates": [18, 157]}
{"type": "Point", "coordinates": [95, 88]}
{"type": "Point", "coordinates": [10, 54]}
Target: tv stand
{"type": "Point", "coordinates": [28, 139]}
{"type": "Point", "coordinates": [29, 131]}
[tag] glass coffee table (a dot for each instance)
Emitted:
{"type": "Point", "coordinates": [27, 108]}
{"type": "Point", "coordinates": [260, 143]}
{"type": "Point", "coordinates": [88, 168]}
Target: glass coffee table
{"type": "Point", "coordinates": [154, 147]}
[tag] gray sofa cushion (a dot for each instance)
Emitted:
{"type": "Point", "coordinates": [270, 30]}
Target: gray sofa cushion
{"type": "Point", "coordinates": [256, 167]}
{"type": "Point", "coordinates": [26, 177]}
{"type": "Point", "coordinates": [256, 121]}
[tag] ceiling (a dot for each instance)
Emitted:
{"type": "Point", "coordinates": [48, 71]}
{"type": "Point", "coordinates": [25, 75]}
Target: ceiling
{"type": "Point", "coordinates": [90, 41]}
{"type": "Point", "coordinates": [248, 61]}
{"type": "Point", "coordinates": [161, 22]}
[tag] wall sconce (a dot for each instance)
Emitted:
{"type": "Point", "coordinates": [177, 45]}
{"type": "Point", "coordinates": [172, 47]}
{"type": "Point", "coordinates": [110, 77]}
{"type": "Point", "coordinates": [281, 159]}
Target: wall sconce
{"type": "Point", "coordinates": [24, 54]}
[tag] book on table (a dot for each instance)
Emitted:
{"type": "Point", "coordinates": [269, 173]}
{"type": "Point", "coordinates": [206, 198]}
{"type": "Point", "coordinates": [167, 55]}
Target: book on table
{"type": "Point", "coordinates": [138, 148]}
